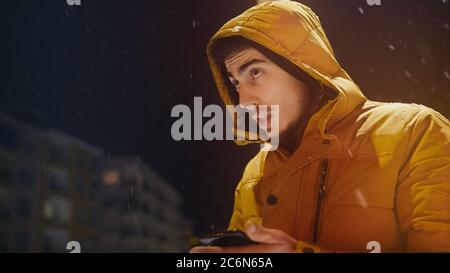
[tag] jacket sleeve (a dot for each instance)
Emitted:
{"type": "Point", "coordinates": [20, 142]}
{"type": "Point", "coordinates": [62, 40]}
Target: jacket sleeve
{"type": "Point", "coordinates": [423, 189]}
{"type": "Point", "coordinates": [245, 205]}
{"type": "Point", "coordinates": [237, 221]}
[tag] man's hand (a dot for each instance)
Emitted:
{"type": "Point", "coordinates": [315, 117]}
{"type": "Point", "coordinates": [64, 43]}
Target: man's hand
{"type": "Point", "coordinates": [270, 240]}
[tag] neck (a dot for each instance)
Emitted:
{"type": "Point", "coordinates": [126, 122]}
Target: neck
{"type": "Point", "coordinates": [292, 138]}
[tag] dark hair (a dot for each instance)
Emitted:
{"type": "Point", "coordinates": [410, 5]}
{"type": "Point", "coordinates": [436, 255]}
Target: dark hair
{"type": "Point", "coordinates": [227, 47]}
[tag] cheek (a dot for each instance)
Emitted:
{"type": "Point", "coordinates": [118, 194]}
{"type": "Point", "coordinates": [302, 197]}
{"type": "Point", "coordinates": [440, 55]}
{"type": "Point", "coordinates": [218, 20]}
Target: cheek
{"type": "Point", "coordinates": [271, 92]}
{"type": "Point", "coordinates": [288, 114]}
{"type": "Point", "coordinates": [292, 108]}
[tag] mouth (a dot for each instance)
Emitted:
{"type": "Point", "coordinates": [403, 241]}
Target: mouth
{"type": "Point", "coordinates": [262, 119]}
{"type": "Point", "coordinates": [264, 123]}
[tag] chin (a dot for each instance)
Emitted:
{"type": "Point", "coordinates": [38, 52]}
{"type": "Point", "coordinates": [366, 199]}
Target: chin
{"type": "Point", "coordinates": [282, 133]}
{"type": "Point", "coordinates": [286, 130]}
{"type": "Point", "coordinates": [283, 129]}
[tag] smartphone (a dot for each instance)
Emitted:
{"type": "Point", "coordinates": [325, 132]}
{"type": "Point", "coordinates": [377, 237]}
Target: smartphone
{"type": "Point", "coordinates": [227, 238]}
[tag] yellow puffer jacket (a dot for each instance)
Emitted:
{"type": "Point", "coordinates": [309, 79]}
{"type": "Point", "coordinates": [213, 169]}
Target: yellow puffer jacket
{"type": "Point", "coordinates": [365, 171]}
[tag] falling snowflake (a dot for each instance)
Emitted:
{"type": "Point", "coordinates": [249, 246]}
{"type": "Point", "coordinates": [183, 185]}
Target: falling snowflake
{"type": "Point", "coordinates": [236, 29]}
{"type": "Point", "coordinates": [447, 75]}
{"type": "Point", "coordinates": [350, 153]}
{"type": "Point", "coordinates": [362, 200]}
{"type": "Point", "coordinates": [403, 44]}
{"type": "Point", "coordinates": [361, 10]}
{"type": "Point", "coordinates": [391, 47]}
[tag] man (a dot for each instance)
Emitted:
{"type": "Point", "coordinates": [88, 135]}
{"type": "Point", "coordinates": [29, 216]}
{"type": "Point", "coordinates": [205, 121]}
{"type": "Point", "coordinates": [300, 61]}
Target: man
{"type": "Point", "coordinates": [349, 173]}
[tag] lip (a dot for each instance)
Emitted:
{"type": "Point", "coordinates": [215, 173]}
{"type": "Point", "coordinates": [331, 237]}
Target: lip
{"type": "Point", "coordinates": [260, 120]}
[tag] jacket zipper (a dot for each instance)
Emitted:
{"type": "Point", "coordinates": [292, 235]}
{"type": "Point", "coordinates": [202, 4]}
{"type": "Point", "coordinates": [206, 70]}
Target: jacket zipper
{"type": "Point", "coordinates": [320, 197]}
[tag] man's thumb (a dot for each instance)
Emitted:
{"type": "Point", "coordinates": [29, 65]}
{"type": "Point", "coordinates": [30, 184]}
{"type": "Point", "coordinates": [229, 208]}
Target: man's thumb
{"type": "Point", "coordinates": [259, 233]}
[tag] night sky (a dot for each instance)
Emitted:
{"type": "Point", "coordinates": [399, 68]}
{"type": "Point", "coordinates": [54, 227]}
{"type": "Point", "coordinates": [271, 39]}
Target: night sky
{"type": "Point", "coordinates": [109, 72]}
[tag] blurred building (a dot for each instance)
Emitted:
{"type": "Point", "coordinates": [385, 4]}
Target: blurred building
{"type": "Point", "coordinates": [55, 188]}
{"type": "Point", "coordinates": [46, 182]}
{"type": "Point", "coordinates": [138, 210]}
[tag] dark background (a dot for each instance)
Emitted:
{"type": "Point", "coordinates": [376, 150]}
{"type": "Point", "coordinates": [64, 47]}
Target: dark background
{"type": "Point", "coordinates": [109, 72]}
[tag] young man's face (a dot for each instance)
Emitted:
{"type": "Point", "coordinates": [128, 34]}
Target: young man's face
{"type": "Point", "coordinates": [259, 81]}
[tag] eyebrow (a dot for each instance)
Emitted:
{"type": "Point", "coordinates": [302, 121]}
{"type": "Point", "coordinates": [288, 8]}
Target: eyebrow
{"type": "Point", "coordinates": [244, 66]}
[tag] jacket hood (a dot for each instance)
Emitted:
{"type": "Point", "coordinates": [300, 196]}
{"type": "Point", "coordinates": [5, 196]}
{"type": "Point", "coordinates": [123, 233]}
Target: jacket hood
{"type": "Point", "coordinates": [293, 31]}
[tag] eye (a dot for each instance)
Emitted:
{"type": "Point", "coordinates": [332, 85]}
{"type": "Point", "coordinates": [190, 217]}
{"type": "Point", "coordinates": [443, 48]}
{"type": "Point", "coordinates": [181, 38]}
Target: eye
{"type": "Point", "coordinates": [234, 82]}
{"type": "Point", "coordinates": [256, 73]}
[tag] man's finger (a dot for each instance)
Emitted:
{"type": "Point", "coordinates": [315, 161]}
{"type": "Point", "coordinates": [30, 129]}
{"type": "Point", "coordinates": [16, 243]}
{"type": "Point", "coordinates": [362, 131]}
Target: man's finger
{"type": "Point", "coordinates": [206, 249]}
{"type": "Point", "coordinates": [256, 248]}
